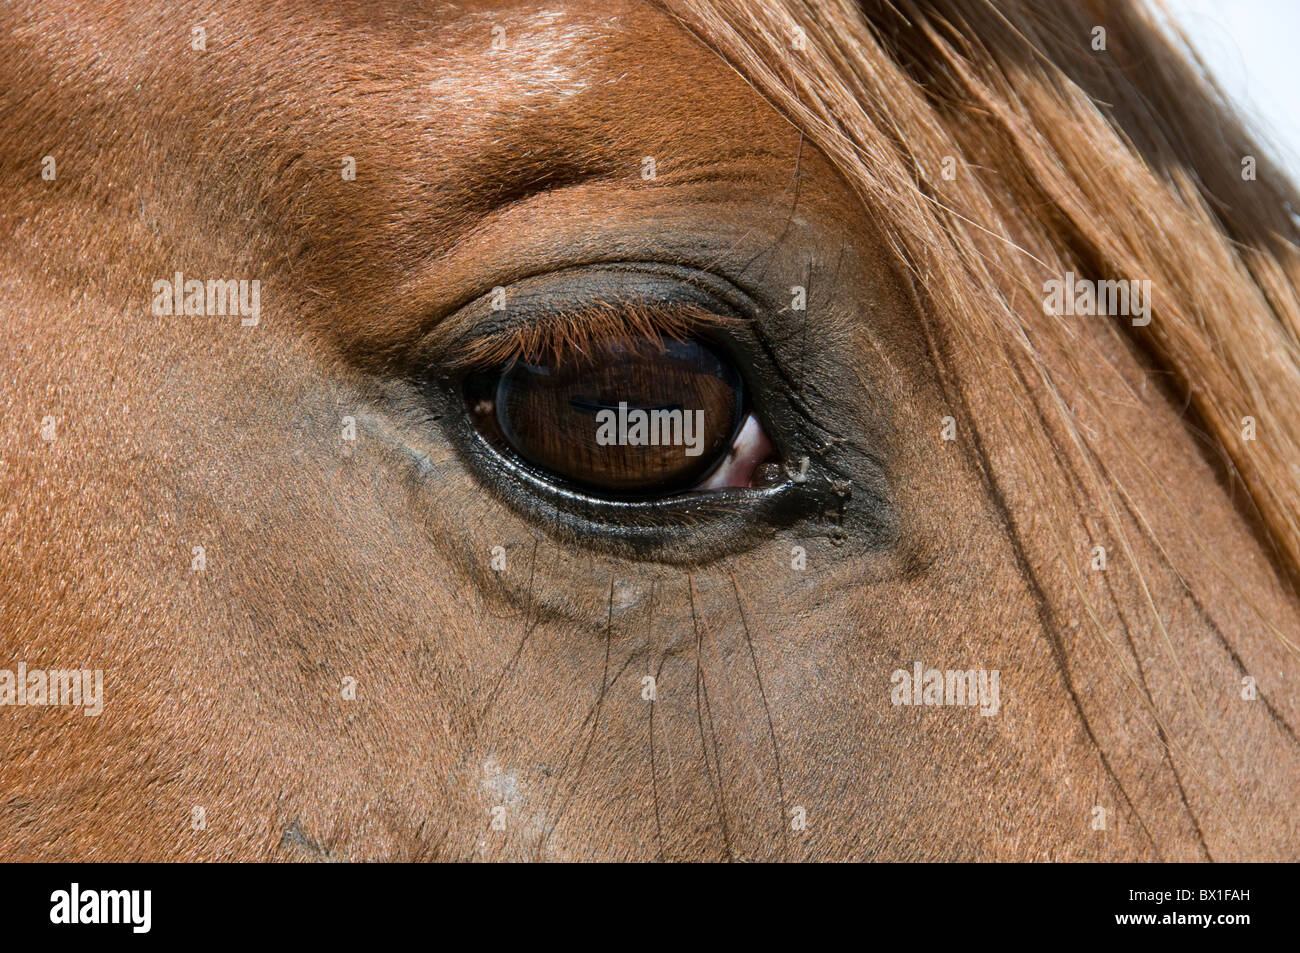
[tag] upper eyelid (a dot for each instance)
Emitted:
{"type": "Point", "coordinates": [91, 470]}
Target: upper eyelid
{"type": "Point", "coordinates": [590, 300]}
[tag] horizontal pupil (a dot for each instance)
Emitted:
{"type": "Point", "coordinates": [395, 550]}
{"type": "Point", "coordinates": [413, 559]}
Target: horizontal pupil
{"type": "Point", "coordinates": [590, 404]}
{"type": "Point", "coordinates": [633, 415]}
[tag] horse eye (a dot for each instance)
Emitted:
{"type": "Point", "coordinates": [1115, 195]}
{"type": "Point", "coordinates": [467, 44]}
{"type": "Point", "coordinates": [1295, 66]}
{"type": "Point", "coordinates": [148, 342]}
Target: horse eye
{"type": "Point", "coordinates": [630, 417]}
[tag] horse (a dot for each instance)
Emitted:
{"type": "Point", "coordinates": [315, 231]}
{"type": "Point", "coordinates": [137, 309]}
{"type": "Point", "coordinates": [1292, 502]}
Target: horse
{"type": "Point", "coordinates": [991, 307]}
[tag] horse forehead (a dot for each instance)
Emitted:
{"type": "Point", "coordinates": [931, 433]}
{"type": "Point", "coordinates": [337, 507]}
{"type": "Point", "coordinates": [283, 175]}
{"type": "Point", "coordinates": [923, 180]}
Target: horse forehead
{"type": "Point", "coordinates": [464, 97]}
{"type": "Point", "coordinates": [476, 61]}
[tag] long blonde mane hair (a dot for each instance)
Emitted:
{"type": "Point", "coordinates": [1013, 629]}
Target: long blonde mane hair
{"type": "Point", "coordinates": [1000, 147]}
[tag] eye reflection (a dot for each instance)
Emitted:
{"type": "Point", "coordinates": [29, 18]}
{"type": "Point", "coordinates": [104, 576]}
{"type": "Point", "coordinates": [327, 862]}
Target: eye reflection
{"type": "Point", "coordinates": [631, 416]}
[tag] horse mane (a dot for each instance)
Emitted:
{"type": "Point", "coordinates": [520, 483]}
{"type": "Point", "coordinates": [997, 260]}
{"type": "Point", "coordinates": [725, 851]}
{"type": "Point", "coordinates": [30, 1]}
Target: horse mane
{"type": "Point", "coordinates": [1121, 163]}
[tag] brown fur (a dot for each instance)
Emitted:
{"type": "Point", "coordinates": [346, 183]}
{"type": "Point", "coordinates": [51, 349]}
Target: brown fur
{"type": "Point", "coordinates": [522, 690]}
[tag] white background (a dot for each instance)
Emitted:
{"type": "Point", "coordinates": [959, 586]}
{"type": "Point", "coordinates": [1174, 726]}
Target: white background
{"type": "Point", "coordinates": [1252, 49]}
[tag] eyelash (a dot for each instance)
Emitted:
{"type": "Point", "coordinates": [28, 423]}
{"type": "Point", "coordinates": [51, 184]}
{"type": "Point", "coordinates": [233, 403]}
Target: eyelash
{"type": "Point", "coordinates": [559, 334]}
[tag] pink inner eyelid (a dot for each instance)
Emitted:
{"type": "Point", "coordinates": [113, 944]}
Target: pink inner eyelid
{"type": "Point", "coordinates": [750, 448]}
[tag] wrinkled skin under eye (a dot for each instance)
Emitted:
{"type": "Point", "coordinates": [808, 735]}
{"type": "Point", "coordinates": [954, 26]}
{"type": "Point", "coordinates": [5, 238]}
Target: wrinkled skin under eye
{"type": "Point", "coordinates": [629, 417]}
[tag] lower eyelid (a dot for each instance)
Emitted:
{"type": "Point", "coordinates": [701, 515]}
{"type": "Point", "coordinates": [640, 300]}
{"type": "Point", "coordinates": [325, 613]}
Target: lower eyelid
{"type": "Point", "coordinates": [684, 529]}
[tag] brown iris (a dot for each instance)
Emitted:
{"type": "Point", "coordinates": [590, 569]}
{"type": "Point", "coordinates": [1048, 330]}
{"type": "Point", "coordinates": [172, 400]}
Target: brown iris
{"type": "Point", "coordinates": [630, 416]}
